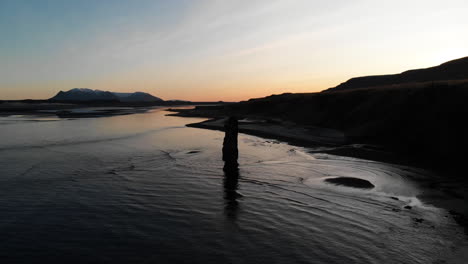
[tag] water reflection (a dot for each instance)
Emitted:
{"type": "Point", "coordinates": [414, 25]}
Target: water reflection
{"type": "Point", "coordinates": [231, 184]}
{"type": "Point", "coordinates": [125, 189]}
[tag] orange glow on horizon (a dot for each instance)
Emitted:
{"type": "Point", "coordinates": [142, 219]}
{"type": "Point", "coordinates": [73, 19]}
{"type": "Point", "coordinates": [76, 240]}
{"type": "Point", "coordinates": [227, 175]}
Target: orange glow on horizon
{"type": "Point", "coordinates": [222, 50]}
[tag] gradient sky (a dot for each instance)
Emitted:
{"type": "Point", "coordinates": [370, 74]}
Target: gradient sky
{"type": "Point", "coordinates": [219, 50]}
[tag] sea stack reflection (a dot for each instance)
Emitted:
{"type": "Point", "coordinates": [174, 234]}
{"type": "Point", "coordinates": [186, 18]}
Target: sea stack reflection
{"type": "Point", "coordinates": [231, 170]}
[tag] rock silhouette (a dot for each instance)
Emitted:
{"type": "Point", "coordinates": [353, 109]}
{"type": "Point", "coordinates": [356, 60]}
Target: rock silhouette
{"type": "Point", "coordinates": [230, 151]}
{"type": "Point", "coordinates": [351, 182]}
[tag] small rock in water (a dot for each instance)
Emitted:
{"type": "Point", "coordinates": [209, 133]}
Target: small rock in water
{"type": "Point", "coordinates": [418, 220]}
{"type": "Point", "coordinates": [351, 182]}
{"type": "Point", "coordinates": [394, 198]}
{"type": "Point", "coordinates": [408, 207]}
{"type": "Point", "coordinates": [396, 210]}
{"type": "Point", "coordinates": [193, 152]}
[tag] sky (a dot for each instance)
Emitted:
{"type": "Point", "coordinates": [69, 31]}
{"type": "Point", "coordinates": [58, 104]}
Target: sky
{"type": "Point", "coordinates": [211, 50]}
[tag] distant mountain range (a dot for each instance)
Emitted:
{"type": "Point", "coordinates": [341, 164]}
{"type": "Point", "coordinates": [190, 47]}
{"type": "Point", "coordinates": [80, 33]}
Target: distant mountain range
{"type": "Point", "coordinates": [85, 94]}
{"type": "Point", "coordinates": [452, 70]}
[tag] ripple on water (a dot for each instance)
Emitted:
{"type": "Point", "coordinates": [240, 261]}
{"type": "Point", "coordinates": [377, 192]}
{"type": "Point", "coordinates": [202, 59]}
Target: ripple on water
{"type": "Point", "coordinates": [160, 196]}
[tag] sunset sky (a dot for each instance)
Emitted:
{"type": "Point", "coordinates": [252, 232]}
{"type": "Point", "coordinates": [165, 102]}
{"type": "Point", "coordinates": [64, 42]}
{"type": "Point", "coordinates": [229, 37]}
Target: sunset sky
{"type": "Point", "coordinates": [204, 50]}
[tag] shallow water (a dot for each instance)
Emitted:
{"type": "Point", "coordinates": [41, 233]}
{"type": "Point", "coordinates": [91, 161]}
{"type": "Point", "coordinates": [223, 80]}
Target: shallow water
{"type": "Point", "coordinates": [144, 188]}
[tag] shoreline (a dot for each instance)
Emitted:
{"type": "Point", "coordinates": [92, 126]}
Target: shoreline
{"type": "Point", "coordinates": [443, 192]}
{"type": "Point", "coordinates": [328, 141]}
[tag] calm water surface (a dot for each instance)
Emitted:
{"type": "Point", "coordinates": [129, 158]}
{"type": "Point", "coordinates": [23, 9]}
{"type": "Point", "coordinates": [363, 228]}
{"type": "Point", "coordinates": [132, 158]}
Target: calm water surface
{"type": "Point", "coordinates": [144, 188]}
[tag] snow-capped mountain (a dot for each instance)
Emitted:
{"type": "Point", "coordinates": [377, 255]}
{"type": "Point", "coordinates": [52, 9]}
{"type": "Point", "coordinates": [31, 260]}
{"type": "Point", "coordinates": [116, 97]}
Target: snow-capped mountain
{"type": "Point", "coordinates": [137, 97]}
{"type": "Point", "coordinates": [85, 94]}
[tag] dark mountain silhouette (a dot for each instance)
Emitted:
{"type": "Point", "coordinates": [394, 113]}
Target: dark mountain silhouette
{"type": "Point", "coordinates": [87, 95]}
{"type": "Point", "coordinates": [84, 94]}
{"type": "Point", "coordinates": [137, 97]}
{"type": "Point", "coordinates": [422, 124]}
{"type": "Point", "coordinates": [418, 119]}
{"type": "Point", "coordinates": [452, 70]}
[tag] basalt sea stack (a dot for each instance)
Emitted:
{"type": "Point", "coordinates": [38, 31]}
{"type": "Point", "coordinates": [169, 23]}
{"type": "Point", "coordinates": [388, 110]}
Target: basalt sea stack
{"type": "Point", "coordinates": [230, 151]}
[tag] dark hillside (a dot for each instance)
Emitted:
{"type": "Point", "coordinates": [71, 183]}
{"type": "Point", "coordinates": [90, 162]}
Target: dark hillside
{"type": "Point", "coordinates": [427, 121]}
{"type": "Point", "coordinates": [452, 70]}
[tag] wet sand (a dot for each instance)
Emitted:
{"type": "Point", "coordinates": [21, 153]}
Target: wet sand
{"type": "Point", "coordinates": [309, 136]}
